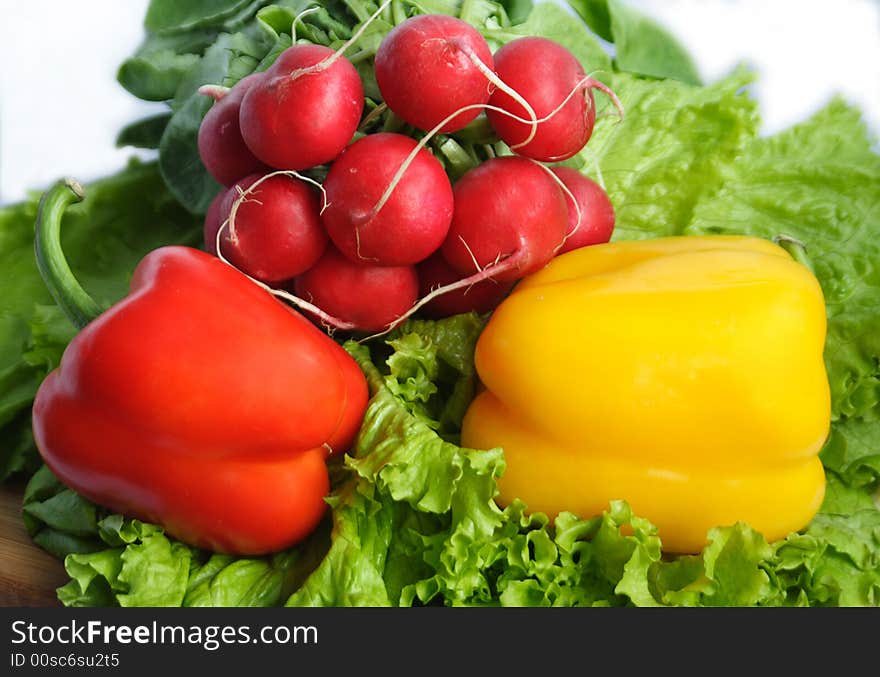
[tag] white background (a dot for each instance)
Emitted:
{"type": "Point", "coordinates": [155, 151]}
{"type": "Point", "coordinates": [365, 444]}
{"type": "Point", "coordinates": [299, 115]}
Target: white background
{"type": "Point", "coordinates": [60, 105]}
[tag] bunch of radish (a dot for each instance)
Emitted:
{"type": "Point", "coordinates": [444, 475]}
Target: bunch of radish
{"type": "Point", "coordinates": [386, 233]}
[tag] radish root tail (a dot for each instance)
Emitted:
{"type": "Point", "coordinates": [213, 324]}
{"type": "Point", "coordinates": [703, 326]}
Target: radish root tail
{"type": "Point", "coordinates": [298, 19]}
{"type": "Point", "coordinates": [329, 321]}
{"type": "Point", "coordinates": [584, 84]}
{"type": "Point", "coordinates": [243, 196]}
{"type": "Point", "coordinates": [216, 92]}
{"type": "Point", "coordinates": [565, 189]}
{"type": "Point", "coordinates": [487, 273]}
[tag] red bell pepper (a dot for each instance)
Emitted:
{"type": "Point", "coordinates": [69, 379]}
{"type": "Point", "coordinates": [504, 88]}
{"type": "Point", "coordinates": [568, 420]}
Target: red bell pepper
{"type": "Point", "coordinates": [199, 402]}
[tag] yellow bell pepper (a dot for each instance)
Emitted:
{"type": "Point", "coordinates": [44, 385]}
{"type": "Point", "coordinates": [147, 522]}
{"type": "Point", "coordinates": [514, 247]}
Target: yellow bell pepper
{"type": "Point", "coordinates": [683, 375]}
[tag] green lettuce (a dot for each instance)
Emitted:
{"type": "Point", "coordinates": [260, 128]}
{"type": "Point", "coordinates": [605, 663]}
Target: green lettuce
{"type": "Point", "coordinates": [853, 451]}
{"type": "Point", "coordinates": [671, 150]}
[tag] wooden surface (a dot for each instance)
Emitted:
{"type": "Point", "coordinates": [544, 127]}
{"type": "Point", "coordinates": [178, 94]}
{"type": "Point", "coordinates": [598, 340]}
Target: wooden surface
{"type": "Point", "coordinates": [28, 575]}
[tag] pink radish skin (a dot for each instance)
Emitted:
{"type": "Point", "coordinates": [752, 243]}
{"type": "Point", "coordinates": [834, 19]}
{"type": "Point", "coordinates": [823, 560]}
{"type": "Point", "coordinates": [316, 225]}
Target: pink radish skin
{"type": "Point", "coordinates": [221, 146]}
{"type": "Point", "coordinates": [213, 220]}
{"type": "Point", "coordinates": [596, 211]}
{"type": "Point", "coordinates": [425, 71]}
{"type": "Point", "coordinates": [544, 73]}
{"type": "Point", "coordinates": [369, 297]}
{"type": "Point", "coordinates": [275, 233]}
{"type": "Point", "coordinates": [412, 223]}
{"type": "Point", "coordinates": [508, 210]}
{"type": "Point", "coordinates": [480, 298]}
{"type": "Point", "coordinates": [295, 118]}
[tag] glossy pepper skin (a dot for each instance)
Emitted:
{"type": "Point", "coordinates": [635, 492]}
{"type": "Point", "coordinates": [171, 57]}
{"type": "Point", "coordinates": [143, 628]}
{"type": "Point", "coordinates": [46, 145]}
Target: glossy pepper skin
{"type": "Point", "coordinates": [199, 402]}
{"type": "Point", "coordinates": [683, 375]}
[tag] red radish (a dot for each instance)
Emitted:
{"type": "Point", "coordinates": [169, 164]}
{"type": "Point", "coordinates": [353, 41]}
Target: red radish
{"type": "Point", "coordinates": [221, 147]}
{"type": "Point", "coordinates": [274, 229]}
{"type": "Point", "coordinates": [367, 296]}
{"type": "Point", "coordinates": [410, 224]}
{"type": "Point", "coordinates": [593, 206]}
{"type": "Point", "coordinates": [509, 211]}
{"type": "Point", "coordinates": [213, 220]}
{"type": "Point", "coordinates": [426, 71]}
{"type": "Point", "coordinates": [552, 81]}
{"type": "Point", "coordinates": [481, 297]}
{"type": "Point", "coordinates": [305, 110]}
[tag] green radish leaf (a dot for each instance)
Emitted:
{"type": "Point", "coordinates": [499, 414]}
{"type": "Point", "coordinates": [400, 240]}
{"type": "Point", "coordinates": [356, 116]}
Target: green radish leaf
{"type": "Point", "coordinates": [173, 16]}
{"type": "Point", "coordinates": [644, 47]}
{"type": "Point", "coordinates": [641, 45]}
{"type": "Point", "coordinates": [227, 61]}
{"type": "Point", "coordinates": [157, 75]}
{"type": "Point", "coordinates": [145, 133]}
{"type": "Point", "coordinates": [596, 15]}
{"type": "Point", "coordinates": [179, 159]}
{"type": "Point", "coordinates": [517, 10]}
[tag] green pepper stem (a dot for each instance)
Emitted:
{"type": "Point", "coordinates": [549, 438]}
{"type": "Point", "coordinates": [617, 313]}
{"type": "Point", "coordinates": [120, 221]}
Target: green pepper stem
{"type": "Point", "coordinates": [795, 248]}
{"type": "Point", "coordinates": [79, 307]}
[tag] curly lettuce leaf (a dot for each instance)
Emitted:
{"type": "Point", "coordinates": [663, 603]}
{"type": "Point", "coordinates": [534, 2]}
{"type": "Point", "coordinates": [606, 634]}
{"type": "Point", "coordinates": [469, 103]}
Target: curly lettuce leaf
{"type": "Point", "coordinates": [408, 486]}
{"type": "Point", "coordinates": [600, 561]}
{"type": "Point", "coordinates": [353, 571]}
{"type": "Point", "coordinates": [836, 562]}
{"type": "Point", "coordinates": [432, 370]}
{"type": "Point", "coordinates": [116, 561]}
{"type": "Point", "coordinates": [147, 570]}
{"type": "Point", "coordinates": [845, 499]}
{"type": "Point", "coordinates": [853, 451]}
{"type": "Point", "coordinates": [670, 151]}
{"type": "Point", "coordinates": [818, 182]}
